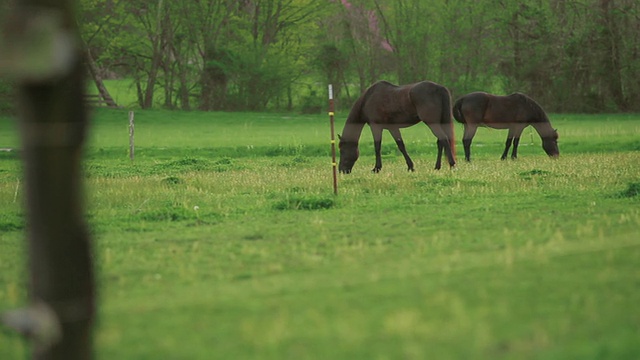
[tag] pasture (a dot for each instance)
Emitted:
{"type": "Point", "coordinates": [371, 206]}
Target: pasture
{"type": "Point", "coordinates": [223, 240]}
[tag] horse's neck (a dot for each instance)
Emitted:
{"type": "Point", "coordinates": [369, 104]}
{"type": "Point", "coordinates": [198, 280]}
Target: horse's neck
{"type": "Point", "coordinates": [354, 124]}
{"type": "Point", "coordinates": [544, 129]}
{"type": "Point", "coordinates": [352, 131]}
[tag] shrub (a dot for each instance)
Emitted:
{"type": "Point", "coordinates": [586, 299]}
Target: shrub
{"type": "Point", "coordinates": [7, 98]}
{"type": "Point", "coordinates": [632, 190]}
{"type": "Point", "coordinates": [305, 203]}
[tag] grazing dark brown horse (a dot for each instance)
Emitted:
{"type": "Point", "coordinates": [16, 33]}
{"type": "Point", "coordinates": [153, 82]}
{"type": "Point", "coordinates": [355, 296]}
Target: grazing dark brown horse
{"type": "Point", "coordinates": [391, 107]}
{"type": "Point", "coordinates": [514, 112]}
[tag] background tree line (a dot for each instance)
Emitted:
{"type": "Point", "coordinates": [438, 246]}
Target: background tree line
{"type": "Point", "coordinates": [571, 55]}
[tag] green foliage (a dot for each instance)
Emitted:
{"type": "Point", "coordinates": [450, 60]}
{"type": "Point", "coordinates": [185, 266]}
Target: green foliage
{"type": "Point", "coordinates": [11, 222]}
{"type": "Point", "coordinates": [632, 190]}
{"type": "Point", "coordinates": [7, 98]}
{"type": "Point", "coordinates": [572, 56]}
{"type": "Point", "coordinates": [172, 180]}
{"type": "Point", "coordinates": [298, 202]}
{"type": "Point", "coordinates": [296, 161]}
{"type": "Point", "coordinates": [535, 173]}
{"type": "Point", "coordinates": [532, 258]}
{"type": "Point", "coordinates": [312, 103]}
{"type": "Point", "coordinates": [186, 164]}
{"type": "Point", "coordinates": [167, 213]}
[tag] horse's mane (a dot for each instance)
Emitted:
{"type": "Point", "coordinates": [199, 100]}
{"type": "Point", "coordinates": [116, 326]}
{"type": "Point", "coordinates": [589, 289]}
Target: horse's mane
{"type": "Point", "coordinates": [535, 108]}
{"type": "Point", "coordinates": [356, 109]}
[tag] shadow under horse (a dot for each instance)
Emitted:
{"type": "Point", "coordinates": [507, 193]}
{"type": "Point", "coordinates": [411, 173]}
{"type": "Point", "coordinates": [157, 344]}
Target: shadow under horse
{"type": "Point", "coordinates": [514, 112]}
{"type": "Point", "coordinates": [392, 107]}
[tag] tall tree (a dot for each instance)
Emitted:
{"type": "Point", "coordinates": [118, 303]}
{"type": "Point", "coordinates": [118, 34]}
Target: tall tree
{"type": "Point", "coordinates": [611, 44]}
{"type": "Point", "coordinates": [571, 55]}
{"type": "Point", "coordinates": [152, 17]}
{"type": "Point", "coordinates": [407, 28]}
{"type": "Point", "coordinates": [270, 56]}
{"type": "Point", "coordinates": [370, 52]}
{"type": "Point", "coordinates": [93, 19]}
{"type": "Point", "coordinates": [209, 27]}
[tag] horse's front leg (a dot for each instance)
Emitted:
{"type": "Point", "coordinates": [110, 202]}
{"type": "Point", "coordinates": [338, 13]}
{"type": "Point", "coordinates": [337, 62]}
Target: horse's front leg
{"type": "Point", "coordinates": [516, 142]}
{"type": "Point", "coordinates": [377, 144]}
{"type": "Point", "coordinates": [398, 138]}
{"type": "Point", "coordinates": [507, 144]}
{"type": "Point", "coordinates": [514, 152]}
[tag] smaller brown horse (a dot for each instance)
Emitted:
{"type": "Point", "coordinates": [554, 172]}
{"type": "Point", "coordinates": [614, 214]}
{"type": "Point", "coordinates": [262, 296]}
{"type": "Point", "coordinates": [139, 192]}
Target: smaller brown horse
{"type": "Point", "coordinates": [514, 112]}
{"type": "Point", "coordinates": [392, 107]}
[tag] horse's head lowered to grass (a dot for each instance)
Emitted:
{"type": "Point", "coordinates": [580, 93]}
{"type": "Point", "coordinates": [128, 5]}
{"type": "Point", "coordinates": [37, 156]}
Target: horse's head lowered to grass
{"type": "Point", "coordinates": [349, 154]}
{"type": "Point", "coordinates": [550, 144]}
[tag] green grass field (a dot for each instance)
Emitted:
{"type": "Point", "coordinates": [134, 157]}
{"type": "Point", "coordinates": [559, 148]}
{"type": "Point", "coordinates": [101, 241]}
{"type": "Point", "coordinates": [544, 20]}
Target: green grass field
{"type": "Point", "coordinates": [223, 240]}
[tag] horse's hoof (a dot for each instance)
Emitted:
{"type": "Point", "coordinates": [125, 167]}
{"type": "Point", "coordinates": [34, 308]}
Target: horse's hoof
{"type": "Point", "coordinates": [375, 170]}
{"type": "Point", "coordinates": [411, 169]}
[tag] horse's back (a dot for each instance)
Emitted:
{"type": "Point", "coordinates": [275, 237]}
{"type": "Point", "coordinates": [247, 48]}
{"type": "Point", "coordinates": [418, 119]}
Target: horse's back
{"type": "Point", "coordinates": [425, 85]}
{"type": "Point", "coordinates": [416, 91]}
{"type": "Point", "coordinates": [476, 98]}
{"type": "Point", "coordinates": [427, 91]}
{"type": "Point", "coordinates": [472, 107]}
{"type": "Point", "coordinates": [432, 102]}
{"type": "Point", "coordinates": [405, 105]}
{"type": "Point", "coordinates": [385, 102]}
{"type": "Point", "coordinates": [490, 109]}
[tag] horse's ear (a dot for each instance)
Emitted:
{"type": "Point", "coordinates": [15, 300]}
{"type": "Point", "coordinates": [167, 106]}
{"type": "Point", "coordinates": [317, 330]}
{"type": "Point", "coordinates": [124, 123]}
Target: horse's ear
{"type": "Point", "coordinates": [339, 137]}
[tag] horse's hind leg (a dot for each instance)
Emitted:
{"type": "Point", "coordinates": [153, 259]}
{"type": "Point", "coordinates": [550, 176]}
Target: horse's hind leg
{"type": "Point", "coordinates": [440, 147]}
{"type": "Point", "coordinates": [469, 133]}
{"type": "Point", "coordinates": [398, 138]}
{"type": "Point", "coordinates": [443, 144]}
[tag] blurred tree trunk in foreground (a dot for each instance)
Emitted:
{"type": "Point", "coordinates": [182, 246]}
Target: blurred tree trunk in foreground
{"type": "Point", "coordinates": [45, 56]}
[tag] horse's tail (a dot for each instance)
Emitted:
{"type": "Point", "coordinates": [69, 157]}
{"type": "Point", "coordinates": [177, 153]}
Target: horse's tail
{"type": "Point", "coordinates": [446, 106]}
{"type": "Point", "coordinates": [457, 111]}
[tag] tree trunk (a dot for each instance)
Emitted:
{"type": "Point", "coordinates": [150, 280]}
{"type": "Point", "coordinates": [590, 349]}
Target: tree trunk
{"type": "Point", "coordinates": [53, 122]}
{"type": "Point", "coordinates": [213, 80]}
{"type": "Point", "coordinates": [611, 64]}
{"type": "Point", "coordinates": [97, 79]}
{"type": "Point", "coordinates": [156, 58]}
{"type": "Point", "coordinates": [168, 63]}
{"type": "Point", "coordinates": [183, 91]}
{"type": "Point", "coordinates": [147, 102]}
